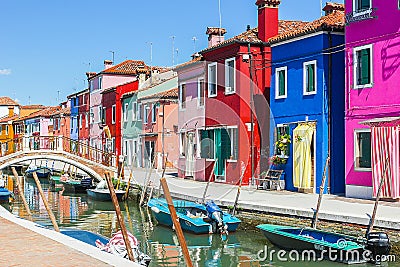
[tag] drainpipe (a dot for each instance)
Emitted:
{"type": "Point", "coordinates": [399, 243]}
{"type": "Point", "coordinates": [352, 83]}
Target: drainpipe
{"type": "Point", "coordinates": [329, 107]}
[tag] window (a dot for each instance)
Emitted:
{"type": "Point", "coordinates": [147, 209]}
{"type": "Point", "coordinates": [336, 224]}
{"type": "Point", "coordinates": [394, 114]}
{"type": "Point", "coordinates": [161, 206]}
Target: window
{"type": "Point", "coordinates": [281, 82]}
{"type": "Point", "coordinates": [102, 114]}
{"type": "Point", "coordinates": [91, 115]}
{"type": "Point", "coordinates": [233, 136]}
{"type": "Point", "coordinates": [126, 112]}
{"type": "Point", "coordinates": [145, 113]}
{"type": "Point", "coordinates": [139, 111]}
{"type": "Point", "coordinates": [1, 129]}
{"type": "Point", "coordinates": [83, 99]}
{"type": "Point", "coordinates": [362, 149]}
{"type": "Point", "coordinates": [310, 77]}
{"type": "Point", "coordinates": [6, 129]}
{"type": "Point", "coordinates": [99, 82]}
{"type": "Point", "coordinates": [363, 66]}
{"type": "Point", "coordinates": [134, 111]}
{"type": "Point", "coordinates": [200, 92]}
{"type": "Point", "coordinates": [212, 80]}
{"type": "Point", "coordinates": [182, 96]}
{"type": "Point", "coordinates": [281, 130]}
{"type": "Point", "coordinates": [154, 113]}
{"type": "Point", "coordinates": [91, 85]}
{"type": "Point", "coordinates": [361, 5]}
{"type": "Point", "coordinates": [86, 120]}
{"type": "Point", "coordinates": [207, 144]}
{"type": "Point", "coordinates": [182, 147]}
{"type": "Point", "coordinates": [230, 79]}
{"type": "Point", "coordinates": [80, 121]}
{"type": "Point", "coordinates": [398, 4]}
{"type": "Point", "coordinates": [113, 114]}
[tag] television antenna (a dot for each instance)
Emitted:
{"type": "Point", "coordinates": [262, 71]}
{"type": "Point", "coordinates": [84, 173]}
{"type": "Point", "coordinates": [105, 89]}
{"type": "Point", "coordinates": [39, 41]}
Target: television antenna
{"type": "Point", "coordinates": [194, 38]}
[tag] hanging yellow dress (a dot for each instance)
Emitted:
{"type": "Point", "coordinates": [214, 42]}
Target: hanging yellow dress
{"type": "Point", "coordinates": [302, 165]}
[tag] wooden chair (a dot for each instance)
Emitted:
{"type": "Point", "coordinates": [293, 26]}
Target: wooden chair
{"type": "Point", "coordinates": [270, 180]}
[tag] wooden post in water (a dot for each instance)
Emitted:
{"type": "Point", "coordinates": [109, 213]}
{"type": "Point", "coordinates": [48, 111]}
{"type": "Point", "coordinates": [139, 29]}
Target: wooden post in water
{"type": "Point", "coordinates": [321, 192]}
{"type": "Point", "coordinates": [21, 192]}
{"type": "Point", "coordinates": [46, 204]}
{"type": "Point", "coordinates": [175, 221]}
{"type": "Point", "coordinates": [238, 192]}
{"type": "Point", "coordinates": [128, 185]}
{"type": "Point", "coordinates": [146, 184]}
{"type": "Point", "coordinates": [119, 217]}
{"type": "Point", "coordinates": [378, 194]}
{"type": "Point", "coordinates": [208, 182]}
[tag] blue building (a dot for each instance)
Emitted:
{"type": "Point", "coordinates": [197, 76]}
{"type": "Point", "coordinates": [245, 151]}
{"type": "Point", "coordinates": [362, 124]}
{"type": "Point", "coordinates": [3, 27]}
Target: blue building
{"type": "Point", "coordinates": [307, 103]}
{"type": "Point", "coordinates": [74, 121]}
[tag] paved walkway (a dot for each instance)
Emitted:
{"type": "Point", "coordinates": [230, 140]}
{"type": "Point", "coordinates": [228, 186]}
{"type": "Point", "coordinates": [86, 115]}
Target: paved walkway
{"type": "Point", "coordinates": [24, 243]}
{"type": "Point", "coordinates": [333, 208]}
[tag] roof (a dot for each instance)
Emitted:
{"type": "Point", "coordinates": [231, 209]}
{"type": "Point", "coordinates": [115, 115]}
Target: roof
{"type": "Point", "coordinates": [166, 95]}
{"type": "Point", "coordinates": [63, 111]}
{"type": "Point", "coordinates": [78, 93]}
{"type": "Point", "coordinates": [251, 36]}
{"type": "Point", "coordinates": [384, 121]}
{"type": "Point", "coordinates": [7, 101]}
{"type": "Point", "coordinates": [33, 107]}
{"type": "Point", "coordinates": [7, 118]}
{"type": "Point", "coordinates": [128, 67]}
{"type": "Point", "coordinates": [190, 62]}
{"type": "Point", "coordinates": [333, 21]}
{"type": "Point", "coordinates": [164, 86]}
{"type": "Point", "coordinates": [46, 112]}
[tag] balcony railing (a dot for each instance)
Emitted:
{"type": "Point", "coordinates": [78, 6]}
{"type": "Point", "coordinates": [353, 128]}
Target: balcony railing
{"type": "Point", "coordinates": [360, 15]}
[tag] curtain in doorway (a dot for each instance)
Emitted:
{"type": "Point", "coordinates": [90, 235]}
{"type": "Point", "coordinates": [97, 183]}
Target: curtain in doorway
{"type": "Point", "coordinates": [190, 157]}
{"type": "Point", "coordinates": [385, 148]}
{"type": "Point", "coordinates": [302, 165]}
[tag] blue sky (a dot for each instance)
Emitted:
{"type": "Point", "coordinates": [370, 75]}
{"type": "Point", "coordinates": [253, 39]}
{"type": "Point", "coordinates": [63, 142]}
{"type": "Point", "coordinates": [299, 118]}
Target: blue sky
{"type": "Point", "coordinates": [46, 47]}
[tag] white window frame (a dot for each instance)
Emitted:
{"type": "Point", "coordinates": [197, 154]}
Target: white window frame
{"type": "Point", "coordinates": [227, 69]}
{"type": "Point", "coordinates": [145, 113]}
{"type": "Point", "coordinates": [91, 115]}
{"type": "Point", "coordinates": [305, 64]}
{"type": "Point", "coordinates": [214, 64]}
{"type": "Point", "coordinates": [355, 50]}
{"type": "Point", "coordinates": [154, 113]}
{"type": "Point", "coordinates": [140, 111]}
{"type": "Point", "coordinates": [361, 12]}
{"type": "Point", "coordinates": [103, 111]}
{"type": "Point", "coordinates": [113, 114]}
{"type": "Point", "coordinates": [80, 121]}
{"type": "Point", "coordinates": [229, 128]}
{"type": "Point", "coordinates": [99, 82]}
{"type": "Point", "coordinates": [86, 120]}
{"type": "Point", "coordinates": [6, 129]}
{"type": "Point", "coordinates": [199, 81]}
{"type": "Point", "coordinates": [126, 112]}
{"type": "Point", "coordinates": [181, 106]}
{"type": "Point", "coordinates": [277, 96]}
{"type": "Point", "coordinates": [356, 131]}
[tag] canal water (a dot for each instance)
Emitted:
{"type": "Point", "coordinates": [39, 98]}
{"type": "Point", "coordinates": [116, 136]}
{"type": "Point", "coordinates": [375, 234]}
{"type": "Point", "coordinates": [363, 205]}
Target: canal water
{"type": "Point", "coordinates": [242, 248]}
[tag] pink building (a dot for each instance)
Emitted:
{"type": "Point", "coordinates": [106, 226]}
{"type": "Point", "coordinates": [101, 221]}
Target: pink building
{"type": "Point", "coordinates": [372, 96]}
{"type": "Point", "coordinates": [111, 76]}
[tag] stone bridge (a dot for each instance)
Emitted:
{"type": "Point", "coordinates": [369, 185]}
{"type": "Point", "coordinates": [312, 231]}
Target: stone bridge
{"type": "Point", "coordinates": [92, 161]}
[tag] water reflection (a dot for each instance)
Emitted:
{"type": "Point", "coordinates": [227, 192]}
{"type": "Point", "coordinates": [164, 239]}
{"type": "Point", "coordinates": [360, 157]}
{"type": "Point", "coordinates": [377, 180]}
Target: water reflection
{"type": "Point", "coordinates": [79, 211]}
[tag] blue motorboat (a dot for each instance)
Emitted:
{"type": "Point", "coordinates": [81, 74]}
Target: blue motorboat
{"type": "Point", "coordinates": [41, 171]}
{"type": "Point", "coordinates": [4, 195]}
{"type": "Point", "coordinates": [194, 217]}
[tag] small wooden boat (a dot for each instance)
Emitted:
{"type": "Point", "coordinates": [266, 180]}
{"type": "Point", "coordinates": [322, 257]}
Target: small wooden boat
{"type": "Point", "coordinates": [342, 248]}
{"type": "Point", "coordinates": [194, 217]}
{"type": "Point", "coordinates": [41, 171]}
{"type": "Point", "coordinates": [103, 194]}
{"type": "Point", "coordinates": [77, 186]}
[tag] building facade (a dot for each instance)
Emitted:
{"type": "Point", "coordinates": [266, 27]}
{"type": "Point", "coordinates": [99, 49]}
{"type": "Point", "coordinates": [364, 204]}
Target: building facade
{"type": "Point", "coordinates": [372, 79]}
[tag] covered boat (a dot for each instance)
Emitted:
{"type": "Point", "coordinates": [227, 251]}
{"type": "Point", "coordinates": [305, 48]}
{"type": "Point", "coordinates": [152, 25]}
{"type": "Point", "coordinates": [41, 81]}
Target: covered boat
{"type": "Point", "coordinates": [337, 247]}
{"type": "Point", "coordinates": [77, 186]}
{"type": "Point", "coordinates": [102, 193]}
{"type": "Point", "coordinates": [41, 171]}
{"type": "Point", "coordinates": [195, 217]}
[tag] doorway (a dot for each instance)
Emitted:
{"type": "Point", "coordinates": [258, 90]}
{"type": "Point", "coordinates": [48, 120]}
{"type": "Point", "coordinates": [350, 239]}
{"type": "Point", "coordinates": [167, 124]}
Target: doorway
{"type": "Point", "coordinates": [190, 155]}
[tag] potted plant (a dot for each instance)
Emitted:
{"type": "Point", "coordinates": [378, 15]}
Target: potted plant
{"type": "Point", "coordinates": [283, 144]}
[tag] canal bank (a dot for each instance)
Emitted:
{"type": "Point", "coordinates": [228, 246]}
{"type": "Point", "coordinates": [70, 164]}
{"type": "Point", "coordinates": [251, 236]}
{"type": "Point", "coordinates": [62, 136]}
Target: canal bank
{"type": "Point", "coordinates": [25, 243]}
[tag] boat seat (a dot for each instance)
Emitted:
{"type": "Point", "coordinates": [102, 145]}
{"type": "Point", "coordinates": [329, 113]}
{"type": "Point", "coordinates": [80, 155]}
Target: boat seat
{"type": "Point", "coordinates": [270, 180]}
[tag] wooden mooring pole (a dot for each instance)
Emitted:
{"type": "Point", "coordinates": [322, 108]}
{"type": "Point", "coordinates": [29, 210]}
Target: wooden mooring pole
{"type": "Point", "coordinates": [21, 192]}
{"type": "Point", "coordinates": [175, 221]}
{"type": "Point", "coordinates": [208, 182]}
{"type": "Point", "coordinates": [321, 192]}
{"type": "Point", "coordinates": [120, 218]}
{"type": "Point", "coordinates": [46, 204]}
{"type": "Point", "coordinates": [146, 183]}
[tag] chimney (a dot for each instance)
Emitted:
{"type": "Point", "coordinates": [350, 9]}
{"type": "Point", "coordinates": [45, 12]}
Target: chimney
{"type": "Point", "coordinates": [108, 64]}
{"type": "Point", "coordinates": [268, 24]}
{"type": "Point", "coordinates": [330, 7]}
{"type": "Point", "coordinates": [10, 111]}
{"type": "Point", "coordinates": [215, 35]}
{"type": "Point", "coordinates": [90, 74]}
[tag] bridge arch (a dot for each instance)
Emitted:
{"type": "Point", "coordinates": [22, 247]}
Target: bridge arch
{"type": "Point", "coordinates": [71, 159]}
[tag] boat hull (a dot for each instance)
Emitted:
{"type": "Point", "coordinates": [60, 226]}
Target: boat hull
{"type": "Point", "coordinates": [194, 224]}
{"type": "Point", "coordinates": [84, 236]}
{"type": "Point", "coordinates": [77, 186]}
{"type": "Point", "coordinates": [41, 172]}
{"type": "Point", "coordinates": [4, 195]}
{"type": "Point", "coordinates": [104, 194]}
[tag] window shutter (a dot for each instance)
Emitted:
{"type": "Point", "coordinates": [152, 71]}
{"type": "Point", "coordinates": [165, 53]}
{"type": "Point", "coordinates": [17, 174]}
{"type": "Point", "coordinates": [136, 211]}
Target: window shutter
{"type": "Point", "coordinates": [281, 75]}
{"type": "Point", "coordinates": [365, 4]}
{"type": "Point", "coordinates": [365, 66]}
{"type": "Point", "coordinates": [311, 78]}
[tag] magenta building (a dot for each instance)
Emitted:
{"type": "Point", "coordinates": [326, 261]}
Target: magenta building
{"type": "Point", "coordinates": [372, 107]}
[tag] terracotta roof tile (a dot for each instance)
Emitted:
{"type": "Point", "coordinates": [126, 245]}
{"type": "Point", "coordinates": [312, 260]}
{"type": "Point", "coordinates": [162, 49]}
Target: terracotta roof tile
{"type": "Point", "coordinates": [333, 21]}
{"type": "Point", "coordinates": [252, 34]}
{"type": "Point", "coordinates": [128, 67]}
{"type": "Point", "coordinates": [7, 101]}
{"type": "Point", "coordinates": [46, 112]}
{"type": "Point", "coordinates": [33, 107]}
{"type": "Point", "coordinates": [166, 95]}
{"type": "Point", "coordinates": [63, 111]}
{"type": "Point", "coordinates": [7, 118]}
{"type": "Point", "coordinates": [187, 63]}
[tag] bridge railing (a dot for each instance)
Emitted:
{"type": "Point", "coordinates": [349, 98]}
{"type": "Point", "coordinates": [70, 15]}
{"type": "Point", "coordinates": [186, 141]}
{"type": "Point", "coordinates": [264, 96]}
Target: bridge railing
{"type": "Point", "coordinates": [57, 143]}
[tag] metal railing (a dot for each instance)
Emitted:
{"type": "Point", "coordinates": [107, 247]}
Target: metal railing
{"type": "Point", "coordinates": [57, 143]}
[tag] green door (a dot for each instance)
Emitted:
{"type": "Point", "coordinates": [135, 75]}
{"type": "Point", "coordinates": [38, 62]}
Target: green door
{"type": "Point", "coordinates": [222, 150]}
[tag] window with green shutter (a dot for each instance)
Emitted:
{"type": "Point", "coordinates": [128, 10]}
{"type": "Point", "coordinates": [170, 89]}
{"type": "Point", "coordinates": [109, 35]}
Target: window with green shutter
{"type": "Point", "coordinates": [363, 66]}
{"type": "Point", "coordinates": [207, 144]}
{"type": "Point", "coordinates": [309, 75]}
{"type": "Point", "coordinates": [361, 5]}
{"type": "Point", "coordinates": [281, 82]}
{"type": "Point", "coordinates": [363, 149]}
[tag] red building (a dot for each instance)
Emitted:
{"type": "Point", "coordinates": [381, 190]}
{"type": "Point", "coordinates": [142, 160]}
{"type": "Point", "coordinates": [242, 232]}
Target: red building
{"type": "Point", "coordinates": [112, 115]}
{"type": "Point", "coordinates": [237, 84]}
{"type": "Point", "coordinates": [83, 116]}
